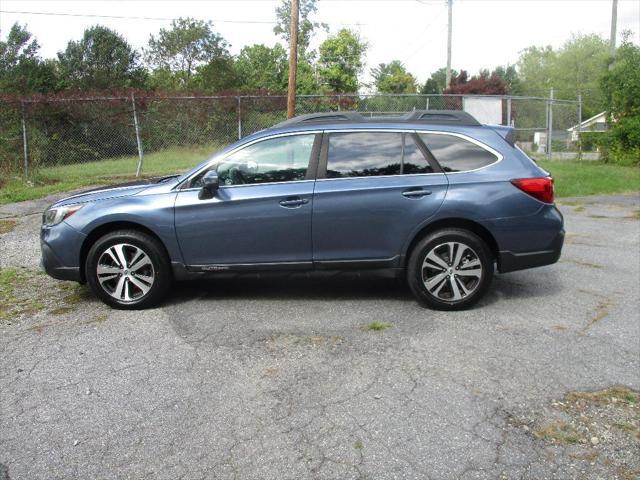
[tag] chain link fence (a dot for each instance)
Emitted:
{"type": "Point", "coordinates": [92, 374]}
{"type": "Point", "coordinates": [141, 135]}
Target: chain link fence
{"type": "Point", "coordinates": [151, 135]}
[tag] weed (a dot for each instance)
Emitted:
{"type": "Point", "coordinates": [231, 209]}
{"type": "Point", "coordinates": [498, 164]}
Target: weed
{"type": "Point", "coordinates": [7, 226]}
{"type": "Point", "coordinates": [97, 319]}
{"type": "Point", "coordinates": [605, 397]}
{"type": "Point", "coordinates": [60, 310]}
{"type": "Point", "coordinates": [557, 432]}
{"type": "Point", "coordinates": [358, 445]}
{"type": "Point", "coordinates": [377, 326]}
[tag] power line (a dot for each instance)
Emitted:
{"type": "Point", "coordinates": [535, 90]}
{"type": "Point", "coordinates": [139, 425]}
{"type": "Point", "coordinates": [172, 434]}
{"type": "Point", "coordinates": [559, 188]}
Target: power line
{"type": "Point", "coordinates": [163, 19]}
{"type": "Point", "coordinates": [60, 14]}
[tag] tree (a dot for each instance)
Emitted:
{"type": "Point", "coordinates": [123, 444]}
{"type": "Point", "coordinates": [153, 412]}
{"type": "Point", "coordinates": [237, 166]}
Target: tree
{"type": "Point", "coordinates": [510, 76]}
{"type": "Point", "coordinates": [574, 68]}
{"type": "Point", "coordinates": [188, 45]}
{"type": "Point", "coordinates": [437, 82]}
{"type": "Point", "coordinates": [306, 27]}
{"type": "Point", "coordinates": [21, 69]}
{"type": "Point", "coordinates": [218, 75]}
{"type": "Point", "coordinates": [621, 93]}
{"type": "Point", "coordinates": [482, 84]}
{"type": "Point", "coordinates": [101, 60]}
{"type": "Point", "coordinates": [393, 78]}
{"type": "Point", "coordinates": [262, 67]}
{"type": "Point", "coordinates": [340, 61]}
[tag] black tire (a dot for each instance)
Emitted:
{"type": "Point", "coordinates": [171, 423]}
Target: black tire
{"type": "Point", "coordinates": [439, 240]}
{"type": "Point", "coordinates": [159, 270]}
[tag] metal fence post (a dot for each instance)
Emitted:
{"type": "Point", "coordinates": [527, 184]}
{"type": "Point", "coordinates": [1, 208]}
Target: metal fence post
{"type": "Point", "coordinates": [138, 140]}
{"type": "Point", "coordinates": [509, 111]}
{"type": "Point", "coordinates": [339, 98]}
{"type": "Point", "coordinates": [549, 123]}
{"type": "Point", "coordinates": [25, 148]}
{"type": "Point", "coordinates": [579, 126]}
{"type": "Point", "coordinates": [427, 103]}
{"type": "Point", "coordinates": [239, 112]}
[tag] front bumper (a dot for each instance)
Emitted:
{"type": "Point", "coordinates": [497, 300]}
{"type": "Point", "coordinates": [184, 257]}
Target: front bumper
{"type": "Point", "coordinates": [60, 246]}
{"type": "Point", "coordinates": [54, 267]}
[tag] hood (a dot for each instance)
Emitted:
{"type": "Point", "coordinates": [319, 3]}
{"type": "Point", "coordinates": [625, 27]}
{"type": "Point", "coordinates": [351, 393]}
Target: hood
{"type": "Point", "coordinates": [112, 191]}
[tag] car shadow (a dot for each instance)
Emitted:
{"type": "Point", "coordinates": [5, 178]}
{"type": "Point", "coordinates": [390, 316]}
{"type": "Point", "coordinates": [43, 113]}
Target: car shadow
{"type": "Point", "coordinates": [349, 286]}
{"type": "Point", "coordinates": [311, 286]}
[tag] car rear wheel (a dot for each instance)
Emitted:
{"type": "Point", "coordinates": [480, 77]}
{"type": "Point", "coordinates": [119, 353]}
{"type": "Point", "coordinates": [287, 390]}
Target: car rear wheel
{"type": "Point", "coordinates": [450, 269]}
{"type": "Point", "coordinates": [128, 270]}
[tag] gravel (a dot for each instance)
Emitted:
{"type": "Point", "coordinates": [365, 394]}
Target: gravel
{"type": "Point", "coordinates": [277, 379]}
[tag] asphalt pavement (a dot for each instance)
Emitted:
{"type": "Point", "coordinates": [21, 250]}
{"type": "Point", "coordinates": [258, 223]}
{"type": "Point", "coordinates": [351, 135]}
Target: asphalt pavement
{"type": "Point", "coordinates": [280, 378]}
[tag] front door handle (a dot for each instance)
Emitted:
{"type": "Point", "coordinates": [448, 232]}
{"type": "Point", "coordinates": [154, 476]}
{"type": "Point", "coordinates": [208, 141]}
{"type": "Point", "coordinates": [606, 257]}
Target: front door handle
{"type": "Point", "coordinates": [293, 202]}
{"type": "Point", "coordinates": [416, 193]}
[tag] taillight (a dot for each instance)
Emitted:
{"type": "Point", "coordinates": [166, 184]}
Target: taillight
{"type": "Point", "coordinates": [540, 188]}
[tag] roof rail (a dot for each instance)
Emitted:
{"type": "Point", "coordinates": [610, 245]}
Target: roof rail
{"type": "Point", "coordinates": [323, 117]}
{"type": "Point", "coordinates": [439, 117]}
{"type": "Point", "coordinates": [435, 117]}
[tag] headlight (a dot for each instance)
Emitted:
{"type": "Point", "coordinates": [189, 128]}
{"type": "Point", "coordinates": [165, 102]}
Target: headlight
{"type": "Point", "coordinates": [54, 216]}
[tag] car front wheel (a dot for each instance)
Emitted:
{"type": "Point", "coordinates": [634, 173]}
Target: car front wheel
{"type": "Point", "coordinates": [128, 270]}
{"type": "Point", "coordinates": [450, 269]}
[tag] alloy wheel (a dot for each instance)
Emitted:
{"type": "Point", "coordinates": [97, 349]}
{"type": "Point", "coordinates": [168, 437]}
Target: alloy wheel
{"type": "Point", "coordinates": [125, 272]}
{"type": "Point", "coordinates": [451, 271]}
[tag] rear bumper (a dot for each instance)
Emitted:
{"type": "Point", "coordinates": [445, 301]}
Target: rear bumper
{"type": "Point", "coordinates": [509, 261]}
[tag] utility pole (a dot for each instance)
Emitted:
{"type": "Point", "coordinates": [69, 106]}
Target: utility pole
{"type": "Point", "coordinates": [293, 59]}
{"type": "Point", "coordinates": [614, 21]}
{"type": "Point", "coordinates": [450, 6]}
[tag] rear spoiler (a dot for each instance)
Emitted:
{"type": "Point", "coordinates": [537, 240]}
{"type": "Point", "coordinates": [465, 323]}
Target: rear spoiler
{"type": "Point", "coordinates": [508, 133]}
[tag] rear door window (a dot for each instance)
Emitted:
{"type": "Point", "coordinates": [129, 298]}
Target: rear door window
{"type": "Point", "coordinates": [456, 154]}
{"type": "Point", "coordinates": [364, 154]}
{"type": "Point", "coordinates": [367, 154]}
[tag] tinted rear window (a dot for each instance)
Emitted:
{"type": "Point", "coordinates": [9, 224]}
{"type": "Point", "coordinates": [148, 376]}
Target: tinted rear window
{"type": "Point", "coordinates": [364, 154]}
{"type": "Point", "coordinates": [455, 154]}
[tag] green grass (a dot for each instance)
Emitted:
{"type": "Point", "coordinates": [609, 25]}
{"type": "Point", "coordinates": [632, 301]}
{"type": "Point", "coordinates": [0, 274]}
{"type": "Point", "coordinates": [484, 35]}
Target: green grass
{"type": "Point", "coordinates": [575, 178]}
{"type": "Point", "coordinates": [103, 172]}
{"type": "Point", "coordinates": [15, 296]}
{"type": "Point", "coordinates": [377, 326]}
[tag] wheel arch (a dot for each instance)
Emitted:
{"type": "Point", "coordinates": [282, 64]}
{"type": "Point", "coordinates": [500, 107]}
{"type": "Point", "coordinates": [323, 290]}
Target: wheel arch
{"type": "Point", "coordinates": [109, 227]}
{"type": "Point", "coordinates": [461, 223]}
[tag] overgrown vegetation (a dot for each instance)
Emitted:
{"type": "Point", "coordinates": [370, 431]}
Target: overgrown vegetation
{"type": "Point", "coordinates": [600, 428]}
{"type": "Point", "coordinates": [15, 299]}
{"type": "Point", "coordinates": [26, 292]}
{"type": "Point", "coordinates": [576, 178]}
{"type": "Point", "coordinates": [621, 88]}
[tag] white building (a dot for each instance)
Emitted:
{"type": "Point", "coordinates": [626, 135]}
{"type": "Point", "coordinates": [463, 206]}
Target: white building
{"type": "Point", "coordinates": [597, 123]}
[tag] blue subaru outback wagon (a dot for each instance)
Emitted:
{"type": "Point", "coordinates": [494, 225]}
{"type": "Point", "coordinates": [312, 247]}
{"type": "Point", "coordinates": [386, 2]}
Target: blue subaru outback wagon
{"type": "Point", "coordinates": [431, 195]}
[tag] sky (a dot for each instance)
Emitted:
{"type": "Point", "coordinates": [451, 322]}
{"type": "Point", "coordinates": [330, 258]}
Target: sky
{"type": "Point", "coordinates": [486, 33]}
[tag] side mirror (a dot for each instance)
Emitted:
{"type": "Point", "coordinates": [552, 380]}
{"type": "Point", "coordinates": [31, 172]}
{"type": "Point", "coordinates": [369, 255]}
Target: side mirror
{"type": "Point", "coordinates": [210, 184]}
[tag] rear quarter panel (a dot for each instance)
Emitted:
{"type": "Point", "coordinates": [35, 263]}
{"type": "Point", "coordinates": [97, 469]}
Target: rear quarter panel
{"type": "Point", "coordinates": [518, 222]}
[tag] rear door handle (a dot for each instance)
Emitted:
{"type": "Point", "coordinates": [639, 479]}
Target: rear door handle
{"type": "Point", "coordinates": [293, 202]}
{"type": "Point", "coordinates": [416, 193]}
